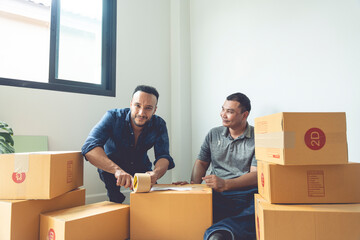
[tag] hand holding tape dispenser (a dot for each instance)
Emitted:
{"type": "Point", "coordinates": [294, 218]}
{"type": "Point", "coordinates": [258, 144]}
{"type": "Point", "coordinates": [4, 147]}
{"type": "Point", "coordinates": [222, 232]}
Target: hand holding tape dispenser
{"type": "Point", "coordinates": [142, 182]}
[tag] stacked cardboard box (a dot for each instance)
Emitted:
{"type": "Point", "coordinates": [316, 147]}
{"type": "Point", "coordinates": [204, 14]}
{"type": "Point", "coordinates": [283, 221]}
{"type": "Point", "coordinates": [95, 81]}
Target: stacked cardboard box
{"type": "Point", "coordinates": [179, 214]}
{"type": "Point", "coordinates": [103, 220]}
{"type": "Point", "coordinates": [302, 158]}
{"type": "Point", "coordinates": [32, 183]}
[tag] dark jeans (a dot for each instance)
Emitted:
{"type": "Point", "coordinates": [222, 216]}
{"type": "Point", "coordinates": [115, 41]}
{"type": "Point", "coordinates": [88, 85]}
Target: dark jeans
{"type": "Point", "coordinates": [113, 191]}
{"type": "Point", "coordinates": [234, 212]}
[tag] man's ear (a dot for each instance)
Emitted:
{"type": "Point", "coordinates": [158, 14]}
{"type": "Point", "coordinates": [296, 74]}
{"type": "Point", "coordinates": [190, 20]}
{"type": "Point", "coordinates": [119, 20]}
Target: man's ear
{"type": "Point", "coordinates": [155, 110]}
{"type": "Point", "coordinates": [246, 114]}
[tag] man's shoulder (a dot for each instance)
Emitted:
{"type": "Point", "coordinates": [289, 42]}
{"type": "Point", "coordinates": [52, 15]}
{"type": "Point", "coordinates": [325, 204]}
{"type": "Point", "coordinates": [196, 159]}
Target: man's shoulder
{"type": "Point", "coordinates": [157, 120]}
{"type": "Point", "coordinates": [119, 114]}
{"type": "Point", "coordinates": [216, 131]}
{"type": "Point", "coordinates": [250, 131]}
{"type": "Point", "coordinates": [119, 111]}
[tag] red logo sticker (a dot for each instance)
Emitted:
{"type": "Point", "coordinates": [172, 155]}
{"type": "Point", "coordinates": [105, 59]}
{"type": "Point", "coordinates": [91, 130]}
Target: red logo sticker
{"type": "Point", "coordinates": [18, 177]}
{"type": "Point", "coordinates": [315, 138]}
{"type": "Point", "coordinates": [262, 180]}
{"type": "Point", "coordinates": [51, 234]}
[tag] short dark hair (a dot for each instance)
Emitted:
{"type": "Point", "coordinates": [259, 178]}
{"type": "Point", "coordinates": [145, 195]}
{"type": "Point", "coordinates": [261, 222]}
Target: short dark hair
{"type": "Point", "coordinates": [147, 89]}
{"type": "Point", "coordinates": [242, 99]}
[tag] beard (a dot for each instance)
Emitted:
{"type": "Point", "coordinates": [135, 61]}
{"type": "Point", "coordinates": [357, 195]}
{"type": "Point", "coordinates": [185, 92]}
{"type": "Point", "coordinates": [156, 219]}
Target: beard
{"type": "Point", "coordinates": [138, 124]}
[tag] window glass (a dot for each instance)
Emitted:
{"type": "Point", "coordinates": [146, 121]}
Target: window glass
{"type": "Point", "coordinates": [80, 37]}
{"type": "Point", "coordinates": [25, 39]}
{"type": "Point", "coordinates": [61, 45]}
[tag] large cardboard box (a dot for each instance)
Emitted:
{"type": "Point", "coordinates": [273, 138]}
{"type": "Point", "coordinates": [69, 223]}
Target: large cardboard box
{"type": "Point", "coordinates": [171, 214]}
{"type": "Point", "coordinates": [42, 175]}
{"type": "Point", "coordinates": [20, 219]}
{"type": "Point", "coordinates": [103, 220]}
{"type": "Point", "coordinates": [301, 138]}
{"type": "Point", "coordinates": [310, 183]}
{"type": "Point", "coordinates": [310, 222]}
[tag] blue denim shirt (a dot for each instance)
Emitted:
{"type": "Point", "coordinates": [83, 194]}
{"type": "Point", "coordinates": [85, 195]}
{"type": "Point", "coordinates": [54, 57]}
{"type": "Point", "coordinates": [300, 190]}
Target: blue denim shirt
{"type": "Point", "coordinates": [115, 134]}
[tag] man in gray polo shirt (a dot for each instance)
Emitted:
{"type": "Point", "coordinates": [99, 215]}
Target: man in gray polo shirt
{"type": "Point", "coordinates": [231, 151]}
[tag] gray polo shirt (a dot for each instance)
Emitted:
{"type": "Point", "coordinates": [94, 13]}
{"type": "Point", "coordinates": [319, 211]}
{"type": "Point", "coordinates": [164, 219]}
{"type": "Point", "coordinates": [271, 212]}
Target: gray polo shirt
{"type": "Point", "coordinates": [229, 158]}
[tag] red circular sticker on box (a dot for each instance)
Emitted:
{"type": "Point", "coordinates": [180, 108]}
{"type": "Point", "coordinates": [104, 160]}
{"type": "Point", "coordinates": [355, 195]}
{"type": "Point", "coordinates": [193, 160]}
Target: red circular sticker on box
{"type": "Point", "coordinates": [315, 138]}
{"type": "Point", "coordinates": [18, 177]}
{"type": "Point", "coordinates": [51, 234]}
{"type": "Point", "coordinates": [262, 179]}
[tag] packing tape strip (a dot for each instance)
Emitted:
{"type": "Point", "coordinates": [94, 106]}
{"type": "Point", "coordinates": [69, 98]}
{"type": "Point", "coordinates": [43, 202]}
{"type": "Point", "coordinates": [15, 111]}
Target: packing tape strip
{"type": "Point", "coordinates": [275, 140]}
{"type": "Point", "coordinates": [142, 182]}
{"type": "Point", "coordinates": [21, 162]}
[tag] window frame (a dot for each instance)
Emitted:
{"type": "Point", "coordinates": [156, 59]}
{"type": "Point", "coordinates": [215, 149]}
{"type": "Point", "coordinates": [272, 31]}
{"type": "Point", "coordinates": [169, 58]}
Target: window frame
{"type": "Point", "coordinates": [108, 58]}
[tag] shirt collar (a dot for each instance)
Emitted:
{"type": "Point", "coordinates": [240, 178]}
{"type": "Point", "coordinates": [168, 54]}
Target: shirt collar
{"type": "Point", "coordinates": [247, 132]}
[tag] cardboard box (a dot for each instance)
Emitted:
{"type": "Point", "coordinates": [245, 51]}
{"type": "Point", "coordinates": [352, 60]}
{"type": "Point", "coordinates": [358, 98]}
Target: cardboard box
{"type": "Point", "coordinates": [301, 138]}
{"type": "Point", "coordinates": [20, 219]}
{"type": "Point", "coordinates": [103, 220]}
{"type": "Point", "coordinates": [309, 184]}
{"type": "Point", "coordinates": [42, 175]}
{"type": "Point", "coordinates": [171, 214]}
{"type": "Point", "coordinates": [310, 222]}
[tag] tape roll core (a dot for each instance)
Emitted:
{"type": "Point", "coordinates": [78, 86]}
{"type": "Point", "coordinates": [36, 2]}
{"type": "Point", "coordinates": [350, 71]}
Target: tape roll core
{"type": "Point", "coordinates": [142, 182]}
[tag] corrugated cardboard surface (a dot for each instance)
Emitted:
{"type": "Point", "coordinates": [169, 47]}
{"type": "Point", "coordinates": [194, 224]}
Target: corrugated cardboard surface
{"type": "Point", "coordinates": [42, 175]}
{"type": "Point", "coordinates": [103, 220]}
{"type": "Point", "coordinates": [20, 219]}
{"type": "Point", "coordinates": [301, 138]}
{"type": "Point", "coordinates": [310, 183]}
{"type": "Point", "coordinates": [171, 214]}
{"type": "Point", "coordinates": [310, 222]}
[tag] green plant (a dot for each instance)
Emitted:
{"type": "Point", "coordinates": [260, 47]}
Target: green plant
{"type": "Point", "coordinates": [6, 140]}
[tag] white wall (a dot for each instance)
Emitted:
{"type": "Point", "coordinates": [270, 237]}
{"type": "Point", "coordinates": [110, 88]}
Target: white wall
{"type": "Point", "coordinates": [180, 89]}
{"type": "Point", "coordinates": [143, 49]}
{"type": "Point", "coordinates": [285, 55]}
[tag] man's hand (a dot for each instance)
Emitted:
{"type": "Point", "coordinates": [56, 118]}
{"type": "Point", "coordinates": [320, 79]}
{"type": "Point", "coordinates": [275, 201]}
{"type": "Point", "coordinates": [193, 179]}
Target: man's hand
{"type": "Point", "coordinates": [214, 182]}
{"type": "Point", "coordinates": [182, 182]}
{"type": "Point", "coordinates": [154, 177]}
{"type": "Point", "coordinates": [123, 179]}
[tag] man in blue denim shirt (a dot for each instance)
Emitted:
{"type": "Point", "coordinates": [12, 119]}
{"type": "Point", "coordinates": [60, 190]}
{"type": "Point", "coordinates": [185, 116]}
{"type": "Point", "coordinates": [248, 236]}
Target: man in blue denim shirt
{"type": "Point", "coordinates": [118, 144]}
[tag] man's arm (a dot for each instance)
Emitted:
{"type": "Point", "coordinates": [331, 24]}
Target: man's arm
{"type": "Point", "coordinates": [220, 185]}
{"type": "Point", "coordinates": [199, 171]}
{"type": "Point", "coordinates": [99, 159]}
{"type": "Point", "coordinates": [160, 169]}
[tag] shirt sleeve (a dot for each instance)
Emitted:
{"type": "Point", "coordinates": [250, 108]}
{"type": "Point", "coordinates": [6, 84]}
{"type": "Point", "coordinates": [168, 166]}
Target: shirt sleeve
{"type": "Point", "coordinates": [99, 134]}
{"type": "Point", "coordinates": [254, 161]}
{"type": "Point", "coordinates": [161, 146]}
{"type": "Point", "coordinates": [205, 153]}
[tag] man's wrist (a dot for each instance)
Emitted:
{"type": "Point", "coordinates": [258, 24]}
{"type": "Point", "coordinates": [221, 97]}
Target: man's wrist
{"type": "Point", "coordinates": [226, 184]}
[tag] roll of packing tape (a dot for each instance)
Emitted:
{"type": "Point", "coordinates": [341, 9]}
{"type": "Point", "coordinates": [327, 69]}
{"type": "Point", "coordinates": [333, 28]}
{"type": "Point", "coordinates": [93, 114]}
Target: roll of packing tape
{"type": "Point", "coordinates": [142, 182]}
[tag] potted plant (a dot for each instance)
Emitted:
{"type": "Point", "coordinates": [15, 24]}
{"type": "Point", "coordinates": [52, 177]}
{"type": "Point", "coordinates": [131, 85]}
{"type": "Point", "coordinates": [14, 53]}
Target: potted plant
{"type": "Point", "coordinates": [6, 140]}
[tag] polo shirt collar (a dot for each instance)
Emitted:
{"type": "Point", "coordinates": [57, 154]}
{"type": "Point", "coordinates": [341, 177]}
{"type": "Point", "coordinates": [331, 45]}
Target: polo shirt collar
{"type": "Point", "coordinates": [247, 132]}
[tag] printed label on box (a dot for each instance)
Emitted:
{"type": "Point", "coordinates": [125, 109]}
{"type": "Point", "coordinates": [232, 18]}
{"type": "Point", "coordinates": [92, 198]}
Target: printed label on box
{"type": "Point", "coordinates": [261, 127]}
{"type": "Point", "coordinates": [69, 171]}
{"type": "Point", "coordinates": [273, 153]}
{"type": "Point", "coordinates": [316, 184]}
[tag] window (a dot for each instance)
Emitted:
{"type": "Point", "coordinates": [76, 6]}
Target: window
{"type": "Point", "coordinates": [61, 45]}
